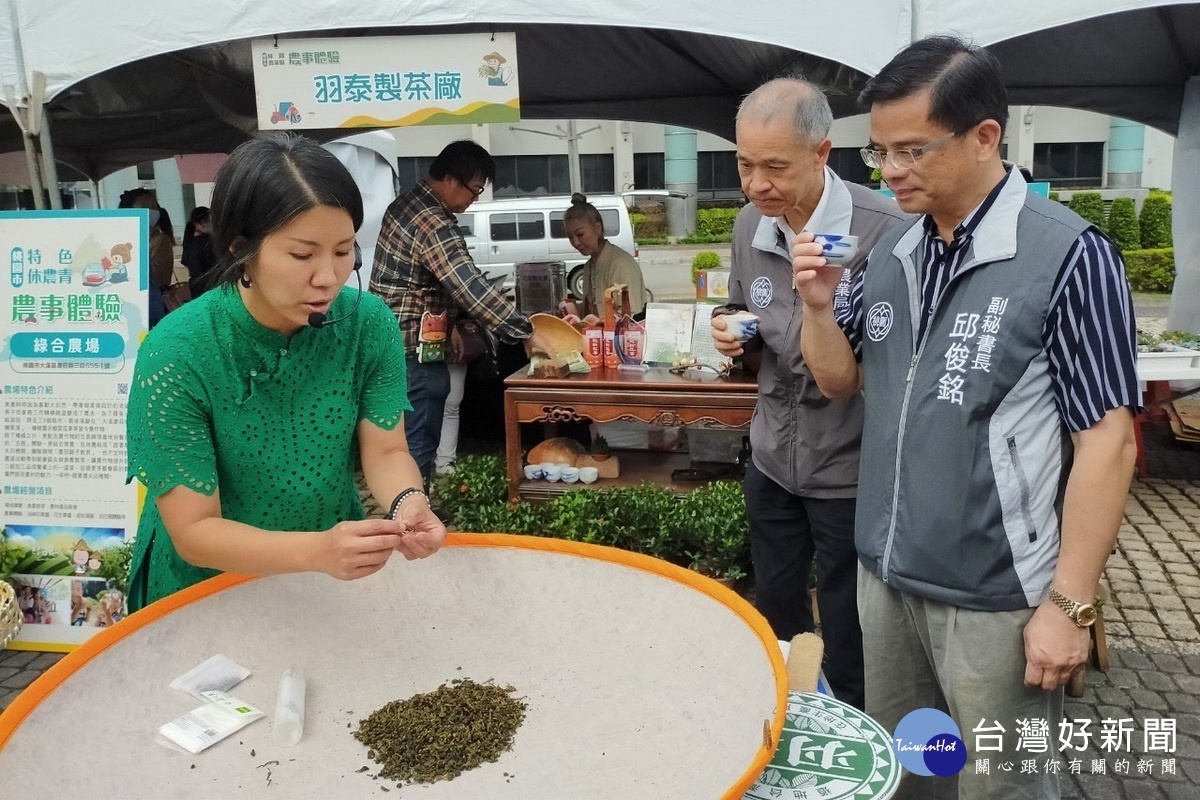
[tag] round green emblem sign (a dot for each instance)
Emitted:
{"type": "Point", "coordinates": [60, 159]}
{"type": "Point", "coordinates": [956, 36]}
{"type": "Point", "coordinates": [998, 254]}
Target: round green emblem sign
{"type": "Point", "coordinates": [828, 751]}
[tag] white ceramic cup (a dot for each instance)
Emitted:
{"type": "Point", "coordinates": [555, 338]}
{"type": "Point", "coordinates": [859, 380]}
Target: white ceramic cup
{"type": "Point", "coordinates": [551, 472]}
{"type": "Point", "coordinates": [838, 249]}
{"type": "Point", "coordinates": [742, 324]}
{"type": "Point", "coordinates": [533, 472]}
{"type": "Point", "coordinates": [570, 474]}
{"type": "Point", "coordinates": [588, 474]}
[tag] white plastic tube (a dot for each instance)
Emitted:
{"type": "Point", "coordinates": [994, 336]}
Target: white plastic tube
{"type": "Point", "coordinates": [289, 709]}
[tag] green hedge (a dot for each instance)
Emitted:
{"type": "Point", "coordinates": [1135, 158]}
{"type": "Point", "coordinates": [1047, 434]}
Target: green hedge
{"type": "Point", "coordinates": [1155, 221]}
{"type": "Point", "coordinates": [1123, 226]}
{"type": "Point", "coordinates": [1090, 206]}
{"type": "Point", "coordinates": [706, 529]}
{"type": "Point", "coordinates": [716, 221]}
{"type": "Point", "coordinates": [1150, 270]}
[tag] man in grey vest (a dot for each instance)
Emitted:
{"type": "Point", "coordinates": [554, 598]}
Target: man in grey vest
{"type": "Point", "coordinates": [995, 352]}
{"type": "Point", "coordinates": [801, 483]}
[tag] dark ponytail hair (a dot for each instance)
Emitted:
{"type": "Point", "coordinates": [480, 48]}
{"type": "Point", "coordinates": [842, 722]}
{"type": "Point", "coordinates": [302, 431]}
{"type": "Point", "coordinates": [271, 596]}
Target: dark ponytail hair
{"type": "Point", "coordinates": [263, 185]}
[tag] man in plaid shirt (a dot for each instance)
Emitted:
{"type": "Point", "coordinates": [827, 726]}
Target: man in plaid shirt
{"type": "Point", "coordinates": [425, 273]}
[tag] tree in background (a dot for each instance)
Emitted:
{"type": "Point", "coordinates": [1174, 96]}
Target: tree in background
{"type": "Point", "coordinates": [1156, 221]}
{"type": "Point", "coordinates": [1090, 206]}
{"type": "Point", "coordinates": [1123, 226]}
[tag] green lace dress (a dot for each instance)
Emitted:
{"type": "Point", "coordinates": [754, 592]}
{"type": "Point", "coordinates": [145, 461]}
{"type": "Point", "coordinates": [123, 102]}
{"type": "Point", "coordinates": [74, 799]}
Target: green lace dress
{"type": "Point", "coordinates": [218, 400]}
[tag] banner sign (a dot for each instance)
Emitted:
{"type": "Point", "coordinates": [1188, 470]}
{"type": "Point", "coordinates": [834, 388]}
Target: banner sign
{"type": "Point", "coordinates": [386, 81]}
{"type": "Point", "coordinates": [74, 298]}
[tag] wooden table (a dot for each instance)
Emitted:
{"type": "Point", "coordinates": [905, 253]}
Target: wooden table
{"type": "Point", "coordinates": [656, 396]}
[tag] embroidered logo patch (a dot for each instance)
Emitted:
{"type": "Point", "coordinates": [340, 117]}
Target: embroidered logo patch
{"type": "Point", "coordinates": [879, 321]}
{"type": "Point", "coordinates": [761, 291]}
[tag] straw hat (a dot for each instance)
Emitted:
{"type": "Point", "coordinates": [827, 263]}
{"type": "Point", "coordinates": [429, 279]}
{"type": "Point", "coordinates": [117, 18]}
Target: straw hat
{"type": "Point", "coordinates": [561, 335]}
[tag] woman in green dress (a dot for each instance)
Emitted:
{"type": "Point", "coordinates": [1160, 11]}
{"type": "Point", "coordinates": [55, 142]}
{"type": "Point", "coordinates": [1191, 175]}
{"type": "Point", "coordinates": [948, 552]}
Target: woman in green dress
{"type": "Point", "coordinates": [252, 405]}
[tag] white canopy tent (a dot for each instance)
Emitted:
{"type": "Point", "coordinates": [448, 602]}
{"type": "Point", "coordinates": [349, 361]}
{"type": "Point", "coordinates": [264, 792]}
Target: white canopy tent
{"type": "Point", "coordinates": [130, 80]}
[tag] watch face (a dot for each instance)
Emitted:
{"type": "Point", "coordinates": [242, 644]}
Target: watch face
{"type": "Point", "coordinates": [1085, 616]}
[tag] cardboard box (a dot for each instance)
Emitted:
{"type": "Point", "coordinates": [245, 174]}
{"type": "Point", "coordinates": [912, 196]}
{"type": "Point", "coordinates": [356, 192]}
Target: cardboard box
{"type": "Point", "coordinates": [712, 284]}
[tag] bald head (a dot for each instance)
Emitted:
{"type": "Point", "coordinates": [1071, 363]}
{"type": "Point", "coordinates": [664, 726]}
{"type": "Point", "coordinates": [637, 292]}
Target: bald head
{"type": "Point", "coordinates": [791, 100]}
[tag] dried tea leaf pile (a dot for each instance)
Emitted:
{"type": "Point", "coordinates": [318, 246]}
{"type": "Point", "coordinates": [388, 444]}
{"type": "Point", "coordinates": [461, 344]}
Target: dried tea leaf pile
{"type": "Point", "coordinates": [440, 734]}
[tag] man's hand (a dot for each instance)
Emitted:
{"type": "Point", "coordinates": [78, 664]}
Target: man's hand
{"type": "Point", "coordinates": [1054, 647]}
{"type": "Point", "coordinates": [456, 345]}
{"type": "Point", "coordinates": [424, 532]}
{"type": "Point", "coordinates": [813, 280]}
{"type": "Point", "coordinates": [726, 343]}
{"type": "Point", "coordinates": [356, 549]}
{"type": "Point", "coordinates": [538, 343]}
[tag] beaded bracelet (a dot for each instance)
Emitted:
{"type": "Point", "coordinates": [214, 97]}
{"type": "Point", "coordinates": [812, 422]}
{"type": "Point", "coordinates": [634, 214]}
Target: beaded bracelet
{"type": "Point", "coordinates": [400, 498]}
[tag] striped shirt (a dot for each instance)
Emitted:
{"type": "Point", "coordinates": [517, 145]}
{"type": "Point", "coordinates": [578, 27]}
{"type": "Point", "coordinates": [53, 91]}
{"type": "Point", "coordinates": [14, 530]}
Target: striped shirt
{"type": "Point", "coordinates": [422, 264]}
{"type": "Point", "coordinates": [1089, 334]}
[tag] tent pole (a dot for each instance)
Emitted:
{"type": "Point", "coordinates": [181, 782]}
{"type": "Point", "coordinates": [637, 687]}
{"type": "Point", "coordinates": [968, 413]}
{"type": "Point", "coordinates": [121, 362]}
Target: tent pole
{"type": "Point", "coordinates": [31, 156]}
{"type": "Point", "coordinates": [1184, 311]}
{"type": "Point", "coordinates": [49, 167]}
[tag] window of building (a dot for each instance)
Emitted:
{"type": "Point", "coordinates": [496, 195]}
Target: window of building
{"type": "Point", "coordinates": [848, 164]}
{"type": "Point", "coordinates": [717, 174]}
{"type": "Point", "coordinates": [551, 174]}
{"type": "Point", "coordinates": [1069, 164]}
{"type": "Point", "coordinates": [410, 171]}
{"type": "Point", "coordinates": [648, 171]}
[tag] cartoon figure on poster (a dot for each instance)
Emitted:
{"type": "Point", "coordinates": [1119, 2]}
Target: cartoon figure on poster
{"type": "Point", "coordinates": [79, 557]}
{"type": "Point", "coordinates": [117, 264]}
{"type": "Point", "coordinates": [494, 71]}
{"type": "Point", "coordinates": [432, 338]}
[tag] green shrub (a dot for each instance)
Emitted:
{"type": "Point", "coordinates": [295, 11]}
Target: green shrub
{"type": "Point", "coordinates": [1123, 226]}
{"type": "Point", "coordinates": [1155, 221]}
{"type": "Point", "coordinates": [722, 239]}
{"type": "Point", "coordinates": [1090, 206]}
{"type": "Point", "coordinates": [716, 221]}
{"type": "Point", "coordinates": [706, 529]}
{"type": "Point", "coordinates": [705, 259]}
{"type": "Point", "coordinates": [1150, 270]}
{"type": "Point", "coordinates": [477, 482]}
{"type": "Point", "coordinates": [649, 224]}
{"type": "Point", "coordinates": [1054, 196]}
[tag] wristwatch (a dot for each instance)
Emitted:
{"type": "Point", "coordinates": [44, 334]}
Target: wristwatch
{"type": "Point", "coordinates": [1082, 614]}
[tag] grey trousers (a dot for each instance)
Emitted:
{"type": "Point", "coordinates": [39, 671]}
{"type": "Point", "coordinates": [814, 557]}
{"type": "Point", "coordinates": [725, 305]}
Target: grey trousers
{"type": "Point", "coordinates": [970, 664]}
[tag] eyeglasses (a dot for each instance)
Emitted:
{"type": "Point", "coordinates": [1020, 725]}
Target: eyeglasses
{"type": "Point", "coordinates": [903, 159]}
{"type": "Point", "coordinates": [475, 190]}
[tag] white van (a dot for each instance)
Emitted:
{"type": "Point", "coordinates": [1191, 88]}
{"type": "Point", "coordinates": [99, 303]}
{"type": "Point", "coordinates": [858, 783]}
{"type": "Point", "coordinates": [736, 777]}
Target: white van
{"type": "Point", "coordinates": [503, 233]}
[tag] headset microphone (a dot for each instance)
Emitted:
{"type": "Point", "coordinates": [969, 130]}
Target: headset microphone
{"type": "Point", "coordinates": [317, 320]}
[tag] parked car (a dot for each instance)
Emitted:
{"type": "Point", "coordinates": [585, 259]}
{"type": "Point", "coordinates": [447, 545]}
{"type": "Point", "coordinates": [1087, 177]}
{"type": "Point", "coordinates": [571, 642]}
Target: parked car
{"type": "Point", "coordinates": [503, 233]}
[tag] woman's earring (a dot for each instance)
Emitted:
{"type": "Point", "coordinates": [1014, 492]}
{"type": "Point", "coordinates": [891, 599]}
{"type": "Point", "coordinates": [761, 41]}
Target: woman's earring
{"type": "Point", "coordinates": [245, 280]}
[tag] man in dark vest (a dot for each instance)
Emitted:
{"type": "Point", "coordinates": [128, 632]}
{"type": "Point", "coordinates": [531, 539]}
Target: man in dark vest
{"type": "Point", "coordinates": [803, 475]}
{"type": "Point", "coordinates": [993, 342]}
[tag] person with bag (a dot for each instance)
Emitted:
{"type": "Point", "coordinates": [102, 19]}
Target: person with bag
{"type": "Point", "coordinates": [424, 271]}
{"type": "Point", "coordinates": [467, 343]}
{"type": "Point", "coordinates": [198, 256]}
{"type": "Point", "coordinates": [162, 250]}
